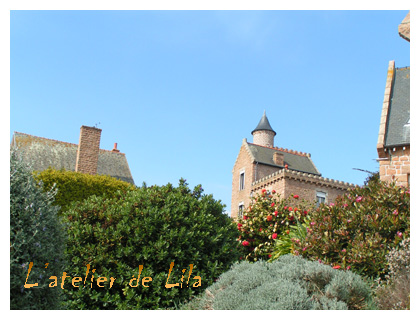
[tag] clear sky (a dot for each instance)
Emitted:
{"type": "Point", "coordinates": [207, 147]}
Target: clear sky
{"type": "Point", "coordinates": [179, 90]}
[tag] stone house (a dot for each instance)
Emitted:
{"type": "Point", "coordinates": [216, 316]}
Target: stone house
{"type": "Point", "coordinates": [85, 157]}
{"type": "Point", "coordinates": [394, 130]}
{"type": "Point", "coordinates": [259, 165]}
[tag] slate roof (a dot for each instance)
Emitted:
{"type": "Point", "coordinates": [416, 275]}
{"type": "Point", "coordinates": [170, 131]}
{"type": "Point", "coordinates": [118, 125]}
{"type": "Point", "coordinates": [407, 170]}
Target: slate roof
{"type": "Point", "coordinates": [296, 161]}
{"type": "Point", "coordinates": [43, 153]}
{"type": "Point", "coordinates": [398, 125]}
{"type": "Point", "coordinates": [264, 124]}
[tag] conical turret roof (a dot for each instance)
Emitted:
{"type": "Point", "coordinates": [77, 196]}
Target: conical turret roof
{"type": "Point", "coordinates": [264, 124]}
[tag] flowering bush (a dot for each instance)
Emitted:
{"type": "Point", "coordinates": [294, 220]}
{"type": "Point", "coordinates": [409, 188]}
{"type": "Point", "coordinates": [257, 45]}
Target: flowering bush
{"type": "Point", "coordinates": [359, 228]}
{"type": "Point", "coordinates": [267, 218]}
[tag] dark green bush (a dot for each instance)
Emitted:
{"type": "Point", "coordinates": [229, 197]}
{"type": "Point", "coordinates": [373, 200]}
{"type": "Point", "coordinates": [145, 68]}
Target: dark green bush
{"type": "Point", "coordinates": [289, 283]}
{"type": "Point", "coordinates": [153, 227]}
{"type": "Point", "coordinates": [359, 228]}
{"type": "Point", "coordinates": [36, 238]}
{"type": "Point", "coordinates": [77, 186]}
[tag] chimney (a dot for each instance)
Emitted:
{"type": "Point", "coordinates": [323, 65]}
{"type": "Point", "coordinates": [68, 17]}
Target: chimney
{"type": "Point", "coordinates": [88, 150]}
{"type": "Point", "coordinates": [115, 148]}
{"type": "Point", "coordinates": [278, 158]}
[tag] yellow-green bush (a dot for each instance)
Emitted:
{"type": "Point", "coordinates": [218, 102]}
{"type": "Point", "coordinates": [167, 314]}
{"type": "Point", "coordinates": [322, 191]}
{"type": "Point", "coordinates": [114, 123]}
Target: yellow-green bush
{"type": "Point", "coordinates": [76, 186]}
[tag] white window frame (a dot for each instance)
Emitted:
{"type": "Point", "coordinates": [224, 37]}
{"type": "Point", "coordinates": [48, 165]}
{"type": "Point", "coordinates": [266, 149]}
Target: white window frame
{"type": "Point", "coordinates": [321, 195]}
{"type": "Point", "coordinates": [241, 212]}
{"type": "Point", "coordinates": [241, 180]}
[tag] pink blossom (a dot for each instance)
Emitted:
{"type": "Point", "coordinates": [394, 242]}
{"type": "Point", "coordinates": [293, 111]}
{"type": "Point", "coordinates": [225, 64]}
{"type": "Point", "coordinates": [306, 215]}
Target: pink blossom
{"type": "Point", "coordinates": [395, 212]}
{"type": "Point", "coordinates": [304, 249]}
{"type": "Point", "coordinates": [399, 234]}
{"type": "Point", "coordinates": [358, 199]}
{"type": "Point", "coordinates": [312, 223]}
{"type": "Point", "coordinates": [344, 250]}
{"type": "Point", "coordinates": [274, 236]}
{"type": "Point", "coordinates": [273, 204]}
{"type": "Point", "coordinates": [332, 204]}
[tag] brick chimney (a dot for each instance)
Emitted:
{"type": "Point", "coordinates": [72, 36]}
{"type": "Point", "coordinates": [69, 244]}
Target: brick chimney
{"type": "Point", "coordinates": [278, 158]}
{"type": "Point", "coordinates": [88, 150]}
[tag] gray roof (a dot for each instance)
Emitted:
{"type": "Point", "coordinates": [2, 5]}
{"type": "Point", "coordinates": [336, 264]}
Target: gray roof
{"type": "Point", "coordinates": [43, 153]}
{"type": "Point", "coordinates": [398, 124]}
{"type": "Point", "coordinates": [263, 125]}
{"type": "Point", "coordinates": [298, 162]}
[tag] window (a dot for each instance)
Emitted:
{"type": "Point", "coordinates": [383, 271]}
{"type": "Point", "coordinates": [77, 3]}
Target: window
{"type": "Point", "coordinates": [241, 210]}
{"type": "Point", "coordinates": [321, 197]}
{"type": "Point", "coordinates": [242, 180]}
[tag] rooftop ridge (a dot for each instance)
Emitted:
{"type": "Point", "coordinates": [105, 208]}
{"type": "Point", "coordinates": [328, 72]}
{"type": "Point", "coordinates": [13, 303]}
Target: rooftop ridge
{"type": "Point", "coordinates": [403, 68]}
{"type": "Point", "coordinates": [70, 143]}
{"type": "Point", "coordinates": [298, 153]}
{"type": "Point", "coordinates": [297, 174]}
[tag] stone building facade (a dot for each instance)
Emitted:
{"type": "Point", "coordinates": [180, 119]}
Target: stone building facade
{"type": "Point", "coordinates": [260, 165]}
{"type": "Point", "coordinates": [394, 129]}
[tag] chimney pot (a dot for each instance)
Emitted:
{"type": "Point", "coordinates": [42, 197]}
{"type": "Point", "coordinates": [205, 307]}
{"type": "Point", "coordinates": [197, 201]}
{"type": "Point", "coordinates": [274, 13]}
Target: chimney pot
{"type": "Point", "coordinates": [115, 148]}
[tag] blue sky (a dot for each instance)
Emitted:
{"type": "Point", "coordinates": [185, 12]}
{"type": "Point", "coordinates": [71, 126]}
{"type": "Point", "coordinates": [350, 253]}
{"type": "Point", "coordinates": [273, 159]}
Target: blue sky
{"type": "Point", "coordinates": [179, 90]}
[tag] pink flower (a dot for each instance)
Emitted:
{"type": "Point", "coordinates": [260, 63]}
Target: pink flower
{"type": "Point", "coordinates": [296, 196]}
{"type": "Point", "coordinates": [395, 212]}
{"type": "Point", "coordinates": [269, 255]}
{"type": "Point", "coordinates": [239, 225]}
{"type": "Point", "coordinates": [304, 249]}
{"type": "Point", "coordinates": [276, 213]}
{"type": "Point", "coordinates": [274, 236]}
{"type": "Point", "coordinates": [273, 192]}
{"type": "Point", "coordinates": [245, 243]}
{"type": "Point", "coordinates": [245, 217]}
{"type": "Point", "coordinates": [344, 250]}
{"type": "Point", "coordinates": [345, 205]}
{"type": "Point", "coordinates": [290, 209]}
{"type": "Point", "coordinates": [359, 198]}
{"type": "Point", "coordinates": [312, 223]}
{"type": "Point", "coordinates": [348, 268]}
{"type": "Point", "coordinates": [399, 234]}
{"type": "Point", "coordinates": [332, 204]}
{"type": "Point", "coordinates": [273, 204]}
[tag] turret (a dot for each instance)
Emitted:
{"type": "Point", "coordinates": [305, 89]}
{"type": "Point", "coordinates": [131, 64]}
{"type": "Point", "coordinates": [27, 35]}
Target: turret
{"type": "Point", "coordinates": [263, 134]}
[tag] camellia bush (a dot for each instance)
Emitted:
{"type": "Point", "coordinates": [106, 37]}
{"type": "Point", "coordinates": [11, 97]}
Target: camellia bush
{"type": "Point", "coordinates": [151, 248]}
{"type": "Point", "coordinates": [267, 218]}
{"type": "Point", "coordinates": [36, 241]}
{"type": "Point", "coordinates": [359, 229]}
{"type": "Point", "coordinates": [76, 186]}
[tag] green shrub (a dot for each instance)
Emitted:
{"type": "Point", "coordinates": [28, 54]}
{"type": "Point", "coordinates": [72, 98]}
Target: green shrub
{"type": "Point", "coordinates": [267, 218]}
{"type": "Point", "coordinates": [289, 283]}
{"type": "Point", "coordinates": [393, 293]}
{"type": "Point", "coordinates": [77, 186]}
{"type": "Point", "coordinates": [36, 238]}
{"type": "Point", "coordinates": [153, 227]}
{"type": "Point", "coordinates": [359, 229]}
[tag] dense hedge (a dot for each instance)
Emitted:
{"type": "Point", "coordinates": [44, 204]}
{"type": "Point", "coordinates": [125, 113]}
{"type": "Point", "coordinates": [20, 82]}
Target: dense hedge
{"type": "Point", "coordinates": [77, 186]}
{"type": "Point", "coordinates": [153, 227]}
{"type": "Point", "coordinates": [289, 283]}
{"type": "Point", "coordinates": [36, 239]}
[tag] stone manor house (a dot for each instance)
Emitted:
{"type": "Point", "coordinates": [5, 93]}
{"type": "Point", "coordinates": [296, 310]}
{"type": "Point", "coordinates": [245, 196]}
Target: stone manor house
{"type": "Point", "coordinates": [260, 165]}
